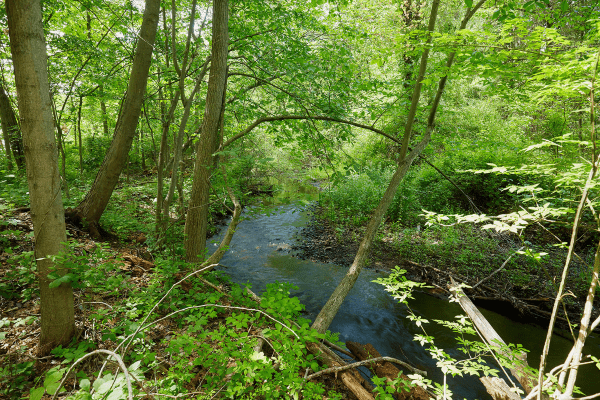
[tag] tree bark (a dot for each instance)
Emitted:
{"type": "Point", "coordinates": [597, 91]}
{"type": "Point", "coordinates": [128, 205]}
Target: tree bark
{"type": "Point", "coordinates": [197, 216]}
{"type": "Point", "coordinates": [28, 48]}
{"type": "Point", "coordinates": [178, 146]}
{"type": "Point", "coordinates": [166, 119]}
{"type": "Point", "coordinates": [11, 131]}
{"type": "Point", "coordinates": [519, 371]}
{"type": "Point", "coordinates": [94, 203]}
{"type": "Point", "coordinates": [78, 135]}
{"type": "Point", "coordinates": [332, 306]}
{"type": "Point", "coordinates": [103, 111]}
{"type": "Point", "coordinates": [7, 151]}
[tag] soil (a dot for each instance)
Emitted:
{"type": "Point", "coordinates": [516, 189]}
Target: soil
{"type": "Point", "coordinates": [321, 241]}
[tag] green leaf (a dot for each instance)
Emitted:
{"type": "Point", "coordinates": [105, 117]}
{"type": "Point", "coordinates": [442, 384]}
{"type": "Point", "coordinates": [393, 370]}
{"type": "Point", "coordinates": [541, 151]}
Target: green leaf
{"type": "Point", "coordinates": [469, 3]}
{"type": "Point", "coordinates": [85, 384]}
{"type": "Point", "coordinates": [37, 393]}
{"type": "Point", "coordinates": [52, 388]}
{"type": "Point", "coordinates": [63, 279]}
{"type": "Point", "coordinates": [105, 386]}
{"type": "Point", "coordinates": [117, 394]}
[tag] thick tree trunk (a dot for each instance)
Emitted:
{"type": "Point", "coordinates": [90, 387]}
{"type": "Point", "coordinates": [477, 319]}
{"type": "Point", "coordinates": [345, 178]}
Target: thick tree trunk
{"type": "Point", "coordinates": [28, 49]}
{"type": "Point", "coordinates": [11, 130]}
{"type": "Point", "coordinates": [197, 216]}
{"type": "Point", "coordinates": [94, 204]}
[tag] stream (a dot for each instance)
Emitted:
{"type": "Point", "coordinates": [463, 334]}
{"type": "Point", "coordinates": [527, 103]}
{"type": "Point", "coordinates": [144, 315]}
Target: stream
{"type": "Point", "coordinates": [260, 253]}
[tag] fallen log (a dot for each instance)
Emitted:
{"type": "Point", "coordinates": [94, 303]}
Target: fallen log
{"type": "Point", "coordinates": [386, 370]}
{"type": "Point", "coordinates": [498, 389]}
{"type": "Point", "coordinates": [347, 377]}
{"type": "Point", "coordinates": [491, 337]}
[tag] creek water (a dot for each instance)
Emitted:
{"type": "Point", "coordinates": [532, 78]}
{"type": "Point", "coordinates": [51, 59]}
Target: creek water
{"type": "Point", "coordinates": [260, 254]}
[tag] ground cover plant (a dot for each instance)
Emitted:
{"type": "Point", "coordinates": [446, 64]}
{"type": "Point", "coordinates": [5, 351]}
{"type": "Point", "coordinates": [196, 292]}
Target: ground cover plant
{"type": "Point", "coordinates": [176, 332]}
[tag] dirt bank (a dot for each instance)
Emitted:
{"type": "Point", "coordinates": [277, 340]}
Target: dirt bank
{"type": "Point", "coordinates": [321, 241]}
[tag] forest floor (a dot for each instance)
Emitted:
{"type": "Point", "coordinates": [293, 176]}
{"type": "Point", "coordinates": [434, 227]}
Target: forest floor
{"type": "Point", "coordinates": [324, 241]}
{"type": "Point", "coordinates": [108, 304]}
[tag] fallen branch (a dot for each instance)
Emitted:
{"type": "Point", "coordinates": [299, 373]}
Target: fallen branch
{"type": "Point", "coordinates": [351, 381]}
{"type": "Point", "coordinates": [100, 351]}
{"type": "Point", "coordinates": [369, 361]}
{"type": "Point", "coordinates": [388, 371]}
{"type": "Point", "coordinates": [494, 340]}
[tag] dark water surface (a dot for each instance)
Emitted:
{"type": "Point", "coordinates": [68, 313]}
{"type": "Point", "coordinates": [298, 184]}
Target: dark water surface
{"type": "Point", "coordinates": [259, 254]}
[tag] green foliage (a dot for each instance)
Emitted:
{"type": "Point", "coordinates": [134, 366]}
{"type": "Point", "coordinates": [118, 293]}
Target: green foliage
{"type": "Point", "coordinates": [51, 384]}
{"type": "Point", "coordinates": [83, 268]}
{"type": "Point", "coordinates": [14, 191]}
{"type": "Point", "coordinates": [124, 217]}
{"type": "Point", "coordinates": [95, 150]}
{"type": "Point", "coordinates": [21, 279]}
{"type": "Point", "coordinates": [276, 300]}
{"type": "Point", "coordinates": [475, 352]}
{"type": "Point", "coordinates": [14, 378]}
{"type": "Point", "coordinates": [71, 354]}
{"type": "Point", "coordinates": [461, 249]}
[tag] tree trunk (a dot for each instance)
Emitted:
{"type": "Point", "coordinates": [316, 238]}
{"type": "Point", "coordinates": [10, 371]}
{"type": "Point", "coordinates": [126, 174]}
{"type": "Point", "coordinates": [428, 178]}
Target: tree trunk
{"type": "Point", "coordinates": [103, 111]}
{"type": "Point", "coordinates": [197, 216]}
{"type": "Point", "coordinates": [161, 222]}
{"type": "Point", "coordinates": [11, 130]}
{"type": "Point", "coordinates": [166, 119]}
{"type": "Point", "coordinates": [332, 306]}
{"type": "Point", "coordinates": [61, 151]}
{"type": "Point", "coordinates": [9, 158]}
{"type": "Point", "coordinates": [78, 134]}
{"type": "Point", "coordinates": [178, 148]}
{"type": "Point", "coordinates": [94, 203]}
{"type": "Point", "coordinates": [28, 49]}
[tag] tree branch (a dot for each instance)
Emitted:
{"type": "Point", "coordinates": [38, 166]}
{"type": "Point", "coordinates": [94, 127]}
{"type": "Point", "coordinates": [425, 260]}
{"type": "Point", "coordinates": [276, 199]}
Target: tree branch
{"type": "Point", "coordinates": [361, 363]}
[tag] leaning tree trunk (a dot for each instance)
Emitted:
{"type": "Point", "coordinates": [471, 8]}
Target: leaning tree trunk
{"type": "Point", "coordinates": [28, 49]}
{"type": "Point", "coordinates": [94, 203]}
{"type": "Point", "coordinates": [11, 130]}
{"type": "Point", "coordinates": [332, 306]}
{"type": "Point", "coordinates": [197, 215]}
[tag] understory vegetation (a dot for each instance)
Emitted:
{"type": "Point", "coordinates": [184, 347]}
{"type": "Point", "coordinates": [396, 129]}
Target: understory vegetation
{"type": "Point", "coordinates": [451, 145]}
{"type": "Point", "coordinates": [533, 256]}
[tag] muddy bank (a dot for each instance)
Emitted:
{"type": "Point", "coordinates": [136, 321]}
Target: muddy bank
{"type": "Point", "coordinates": [321, 241]}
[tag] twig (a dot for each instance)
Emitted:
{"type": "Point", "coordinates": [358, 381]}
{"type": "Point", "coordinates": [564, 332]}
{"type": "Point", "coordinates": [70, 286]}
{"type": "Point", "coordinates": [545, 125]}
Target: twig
{"type": "Point", "coordinates": [361, 363]}
{"type": "Point", "coordinates": [336, 347]}
{"type": "Point", "coordinates": [498, 270]}
{"type": "Point", "coordinates": [110, 353]}
{"type": "Point", "coordinates": [97, 302]}
{"type": "Point", "coordinates": [214, 287]}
